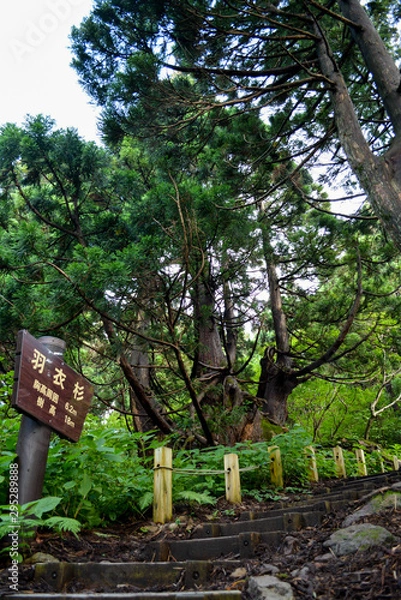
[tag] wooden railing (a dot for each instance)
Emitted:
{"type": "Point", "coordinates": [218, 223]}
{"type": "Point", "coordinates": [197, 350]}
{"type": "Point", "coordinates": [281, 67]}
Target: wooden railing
{"type": "Point", "coordinates": [163, 474]}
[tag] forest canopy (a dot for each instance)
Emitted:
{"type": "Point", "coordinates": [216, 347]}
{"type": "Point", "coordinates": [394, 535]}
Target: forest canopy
{"type": "Point", "coordinates": [197, 264]}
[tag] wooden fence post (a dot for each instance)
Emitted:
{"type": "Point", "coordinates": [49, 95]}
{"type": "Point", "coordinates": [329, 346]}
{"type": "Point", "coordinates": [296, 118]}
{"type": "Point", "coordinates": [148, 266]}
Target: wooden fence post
{"type": "Point", "coordinates": [163, 488]}
{"type": "Point", "coordinates": [276, 469]}
{"type": "Point", "coordinates": [312, 468]}
{"type": "Point", "coordinates": [396, 463]}
{"type": "Point", "coordinates": [360, 458]}
{"type": "Point", "coordinates": [232, 478]}
{"type": "Point", "coordinates": [383, 470]}
{"type": "Point", "coordinates": [339, 460]}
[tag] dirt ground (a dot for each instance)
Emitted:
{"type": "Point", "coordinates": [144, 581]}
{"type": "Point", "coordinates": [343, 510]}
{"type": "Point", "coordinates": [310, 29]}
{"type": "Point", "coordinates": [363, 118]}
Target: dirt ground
{"type": "Point", "coordinates": [301, 559]}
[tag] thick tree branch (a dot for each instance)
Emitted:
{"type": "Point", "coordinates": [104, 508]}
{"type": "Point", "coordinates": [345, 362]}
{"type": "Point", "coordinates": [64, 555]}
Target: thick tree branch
{"type": "Point", "coordinates": [380, 178]}
{"type": "Point", "coordinates": [328, 355]}
{"type": "Point", "coordinates": [377, 59]}
{"type": "Point", "coordinates": [156, 418]}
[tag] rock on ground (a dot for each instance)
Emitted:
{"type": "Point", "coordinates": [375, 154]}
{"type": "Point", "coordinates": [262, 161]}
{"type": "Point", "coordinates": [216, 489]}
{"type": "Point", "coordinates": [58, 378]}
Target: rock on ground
{"type": "Point", "coordinates": [268, 587]}
{"type": "Point", "coordinates": [358, 537]}
{"type": "Point", "coordinates": [379, 502]}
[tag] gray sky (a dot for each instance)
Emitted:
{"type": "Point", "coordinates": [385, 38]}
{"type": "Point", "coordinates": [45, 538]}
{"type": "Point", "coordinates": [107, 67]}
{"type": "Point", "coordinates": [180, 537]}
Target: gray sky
{"type": "Point", "coordinates": [34, 63]}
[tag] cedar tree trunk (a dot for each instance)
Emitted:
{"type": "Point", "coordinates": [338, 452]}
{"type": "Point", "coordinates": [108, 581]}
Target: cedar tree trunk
{"type": "Point", "coordinates": [380, 177]}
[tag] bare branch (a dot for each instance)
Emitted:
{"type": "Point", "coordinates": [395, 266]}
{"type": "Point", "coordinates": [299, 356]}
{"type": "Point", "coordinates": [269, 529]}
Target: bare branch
{"type": "Point", "coordinates": [329, 354]}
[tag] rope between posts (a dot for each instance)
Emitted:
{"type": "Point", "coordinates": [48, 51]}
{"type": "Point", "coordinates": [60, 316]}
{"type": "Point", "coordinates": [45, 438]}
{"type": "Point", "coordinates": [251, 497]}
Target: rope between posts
{"type": "Point", "coordinates": [199, 471]}
{"type": "Point", "coordinates": [205, 471]}
{"type": "Point", "coordinates": [245, 469]}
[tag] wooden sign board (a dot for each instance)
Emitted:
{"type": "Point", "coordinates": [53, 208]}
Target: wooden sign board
{"type": "Point", "coordinates": [46, 388]}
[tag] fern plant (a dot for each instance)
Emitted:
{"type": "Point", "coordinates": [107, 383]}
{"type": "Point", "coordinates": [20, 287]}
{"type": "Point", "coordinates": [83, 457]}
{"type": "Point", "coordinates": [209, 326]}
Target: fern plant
{"type": "Point", "coordinates": [26, 518]}
{"type": "Point", "coordinates": [192, 496]}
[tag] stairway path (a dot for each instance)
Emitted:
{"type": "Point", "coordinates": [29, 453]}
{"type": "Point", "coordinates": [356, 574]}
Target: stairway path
{"type": "Point", "coordinates": [174, 569]}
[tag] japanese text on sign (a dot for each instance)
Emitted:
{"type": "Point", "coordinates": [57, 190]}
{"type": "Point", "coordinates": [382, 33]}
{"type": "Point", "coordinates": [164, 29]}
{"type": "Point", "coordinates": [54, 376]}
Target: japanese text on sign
{"type": "Point", "coordinates": [48, 389]}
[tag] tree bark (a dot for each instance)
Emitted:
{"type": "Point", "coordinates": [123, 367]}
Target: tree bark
{"type": "Point", "coordinates": [209, 353]}
{"type": "Point", "coordinates": [139, 362]}
{"type": "Point", "coordinates": [230, 341]}
{"type": "Point", "coordinates": [377, 59]}
{"type": "Point", "coordinates": [276, 380]}
{"type": "Point", "coordinates": [275, 386]}
{"type": "Point", "coordinates": [380, 177]}
{"type": "Point", "coordinates": [279, 318]}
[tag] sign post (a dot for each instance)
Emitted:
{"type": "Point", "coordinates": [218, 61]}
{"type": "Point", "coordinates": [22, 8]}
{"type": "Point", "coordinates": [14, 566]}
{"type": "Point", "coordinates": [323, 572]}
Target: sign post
{"type": "Point", "coordinates": [52, 397]}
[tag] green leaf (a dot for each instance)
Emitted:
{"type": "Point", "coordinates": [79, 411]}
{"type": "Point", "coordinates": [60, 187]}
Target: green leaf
{"type": "Point", "coordinates": [38, 507]}
{"type": "Point", "coordinates": [145, 501]}
{"type": "Point", "coordinates": [69, 485]}
{"type": "Point", "coordinates": [85, 485]}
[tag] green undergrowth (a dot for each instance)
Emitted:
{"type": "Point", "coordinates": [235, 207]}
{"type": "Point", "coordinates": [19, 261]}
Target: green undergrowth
{"type": "Point", "coordinates": [18, 524]}
{"type": "Point", "coordinates": [107, 476]}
